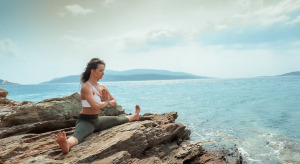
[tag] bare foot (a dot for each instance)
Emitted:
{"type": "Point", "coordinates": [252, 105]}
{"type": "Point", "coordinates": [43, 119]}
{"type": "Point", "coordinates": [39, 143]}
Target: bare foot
{"type": "Point", "coordinates": [61, 139]}
{"type": "Point", "coordinates": [137, 112]}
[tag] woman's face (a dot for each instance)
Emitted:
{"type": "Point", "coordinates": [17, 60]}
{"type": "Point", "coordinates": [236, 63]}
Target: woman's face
{"type": "Point", "coordinates": [99, 71]}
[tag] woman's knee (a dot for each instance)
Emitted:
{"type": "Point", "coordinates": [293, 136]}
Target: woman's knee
{"type": "Point", "coordinates": [82, 130]}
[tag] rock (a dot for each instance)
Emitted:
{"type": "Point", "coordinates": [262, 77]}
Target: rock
{"type": "Point", "coordinates": [3, 93]}
{"type": "Point", "coordinates": [122, 157]}
{"type": "Point", "coordinates": [4, 102]}
{"type": "Point", "coordinates": [221, 152]}
{"type": "Point", "coordinates": [44, 116]}
{"type": "Point", "coordinates": [133, 142]}
{"type": "Point", "coordinates": [185, 152]}
{"type": "Point", "coordinates": [154, 139]}
{"type": "Point", "coordinates": [130, 137]}
{"type": "Point", "coordinates": [112, 111]}
{"type": "Point", "coordinates": [51, 109]}
{"type": "Point", "coordinates": [26, 102]}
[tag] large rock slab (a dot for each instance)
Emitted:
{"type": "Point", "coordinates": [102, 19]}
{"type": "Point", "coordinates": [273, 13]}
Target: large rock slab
{"type": "Point", "coordinates": [133, 138]}
{"type": "Point", "coordinates": [28, 133]}
{"type": "Point", "coordinates": [145, 141]}
{"type": "Point", "coordinates": [44, 116]}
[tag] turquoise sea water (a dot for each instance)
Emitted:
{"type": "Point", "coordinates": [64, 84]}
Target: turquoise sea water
{"type": "Point", "coordinates": [260, 115]}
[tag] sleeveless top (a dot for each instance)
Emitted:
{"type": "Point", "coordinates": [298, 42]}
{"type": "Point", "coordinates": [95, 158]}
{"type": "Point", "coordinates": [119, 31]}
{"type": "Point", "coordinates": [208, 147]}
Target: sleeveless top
{"type": "Point", "coordinates": [85, 103]}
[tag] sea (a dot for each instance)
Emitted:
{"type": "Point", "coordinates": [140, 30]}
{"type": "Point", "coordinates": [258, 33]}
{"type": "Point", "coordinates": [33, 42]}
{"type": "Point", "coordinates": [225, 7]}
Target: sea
{"type": "Point", "coordinates": [260, 115]}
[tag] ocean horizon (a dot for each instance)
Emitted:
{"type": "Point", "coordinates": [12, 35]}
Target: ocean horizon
{"type": "Point", "coordinates": [259, 115]}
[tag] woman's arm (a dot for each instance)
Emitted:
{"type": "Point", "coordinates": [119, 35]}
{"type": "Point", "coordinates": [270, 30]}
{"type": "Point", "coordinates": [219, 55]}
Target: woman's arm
{"type": "Point", "coordinates": [112, 101]}
{"type": "Point", "coordinates": [87, 93]}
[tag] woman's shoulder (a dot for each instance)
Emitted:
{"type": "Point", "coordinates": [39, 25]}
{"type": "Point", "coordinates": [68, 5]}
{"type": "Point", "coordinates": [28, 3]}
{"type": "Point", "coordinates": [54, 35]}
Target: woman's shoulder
{"type": "Point", "coordinates": [85, 86]}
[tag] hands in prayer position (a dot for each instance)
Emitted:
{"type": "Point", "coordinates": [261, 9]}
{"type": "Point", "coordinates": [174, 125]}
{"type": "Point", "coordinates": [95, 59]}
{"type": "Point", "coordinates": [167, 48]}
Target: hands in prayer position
{"type": "Point", "coordinates": [104, 94]}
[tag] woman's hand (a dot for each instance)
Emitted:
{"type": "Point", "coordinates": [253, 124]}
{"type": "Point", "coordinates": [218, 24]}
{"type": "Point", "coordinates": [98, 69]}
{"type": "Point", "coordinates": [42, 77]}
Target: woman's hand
{"type": "Point", "coordinates": [105, 95]}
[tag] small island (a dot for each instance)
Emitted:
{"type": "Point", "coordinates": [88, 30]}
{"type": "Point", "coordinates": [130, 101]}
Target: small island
{"type": "Point", "coordinates": [131, 75]}
{"type": "Point", "coordinates": [297, 73]}
{"type": "Point", "coordinates": [5, 82]}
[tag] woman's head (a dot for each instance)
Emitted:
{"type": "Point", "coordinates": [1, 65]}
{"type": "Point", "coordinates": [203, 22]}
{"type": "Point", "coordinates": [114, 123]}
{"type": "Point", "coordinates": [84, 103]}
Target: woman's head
{"type": "Point", "coordinates": [94, 68]}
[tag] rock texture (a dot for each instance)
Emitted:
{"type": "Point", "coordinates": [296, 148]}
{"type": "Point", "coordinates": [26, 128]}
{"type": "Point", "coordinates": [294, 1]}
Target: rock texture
{"type": "Point", "coordinates": [155, 138]}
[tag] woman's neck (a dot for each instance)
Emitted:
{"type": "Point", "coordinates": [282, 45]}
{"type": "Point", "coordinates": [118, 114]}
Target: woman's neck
{"type": "Point", "coordinates": [93, 81]}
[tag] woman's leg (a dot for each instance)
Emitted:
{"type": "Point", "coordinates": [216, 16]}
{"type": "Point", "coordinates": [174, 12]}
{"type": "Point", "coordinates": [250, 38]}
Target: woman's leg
{"type": "Point", "coordinates": [105, 122]}
{"type": "Point", "coordinates": [83, 129]}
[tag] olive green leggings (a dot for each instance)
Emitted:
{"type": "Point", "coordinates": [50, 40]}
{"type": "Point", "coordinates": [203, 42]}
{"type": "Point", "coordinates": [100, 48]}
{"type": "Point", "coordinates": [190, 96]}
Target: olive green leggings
{"type": "Point", "coordinates": [87, 124]}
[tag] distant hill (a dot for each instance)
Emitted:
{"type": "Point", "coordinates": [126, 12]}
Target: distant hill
{"type": "Point", "coordinates": [131, 75]}
{"type": "Point", "coordinates": [5, 82]}
{"type": "Point", "coordinates": [297, 73]}
{"type": "Point", "coordinates": [147, 71]}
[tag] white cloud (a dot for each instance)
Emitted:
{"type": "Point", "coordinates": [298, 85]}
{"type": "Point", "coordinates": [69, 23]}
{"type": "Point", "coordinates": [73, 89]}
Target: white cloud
{"type": "Point", "coordinates": [220, 27]}
{"type": "Point", "coordinates": [296, 20]}
{"type": "Point", "coordinates": [273, 20]}
{"type": "Point", "coordinates": [107, 3]}
{"type": "Point", "coordinates": [267, 13]}
{"type": "Point", "coordinates": [7, 46]}
{"type": "Point", "coordinates": [161, 34]}
{"type": "Point", "coordinates": [75, 9]}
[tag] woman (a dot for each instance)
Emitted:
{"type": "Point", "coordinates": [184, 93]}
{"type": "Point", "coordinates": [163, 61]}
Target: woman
{"type": "Point", "coordinates": [94, 97]}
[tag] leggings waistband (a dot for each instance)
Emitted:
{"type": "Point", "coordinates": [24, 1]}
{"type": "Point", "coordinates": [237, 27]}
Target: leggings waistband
{"type": "Point", "coordinates": [85, 116]}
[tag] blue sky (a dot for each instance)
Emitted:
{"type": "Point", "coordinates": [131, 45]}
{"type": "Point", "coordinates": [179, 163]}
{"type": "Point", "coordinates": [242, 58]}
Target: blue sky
{"type": "Point", "coordinates": [42, 40]}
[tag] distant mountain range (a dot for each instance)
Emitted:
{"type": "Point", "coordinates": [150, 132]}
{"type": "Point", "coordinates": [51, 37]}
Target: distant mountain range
{"type": "Point", "coordinates": [133, 75]}
{"type": "Point", "coordinates": [130, 75]}
{"type": "Point", "coordinates": [291, 74]}
{"type": "Point", "coordinates": [5, 82]}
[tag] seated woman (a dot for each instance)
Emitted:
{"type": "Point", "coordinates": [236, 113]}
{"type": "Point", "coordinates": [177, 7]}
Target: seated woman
{"type": "Point", "coordinates": [94, 97]}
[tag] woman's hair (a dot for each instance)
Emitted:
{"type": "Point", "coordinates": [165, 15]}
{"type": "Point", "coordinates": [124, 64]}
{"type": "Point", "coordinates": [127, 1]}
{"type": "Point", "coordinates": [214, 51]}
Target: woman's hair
{"type": "Point", "coordinates": [93, 64]}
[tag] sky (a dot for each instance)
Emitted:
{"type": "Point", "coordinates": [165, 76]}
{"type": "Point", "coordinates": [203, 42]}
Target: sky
{"type": "Point", "coordinates": [41, 40]}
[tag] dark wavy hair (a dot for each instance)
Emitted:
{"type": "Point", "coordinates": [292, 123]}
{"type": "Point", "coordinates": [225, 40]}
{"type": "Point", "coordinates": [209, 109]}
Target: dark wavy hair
{"type": "Point", "coordinates": [93, 64]}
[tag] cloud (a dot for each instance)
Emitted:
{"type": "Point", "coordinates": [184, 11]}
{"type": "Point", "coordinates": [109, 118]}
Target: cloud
{"type": "Point", "coordinates": [267, 14]}
{"type": "Point", "coordinates": [163, 37]}
{"type": "Point", "coordinates": [273, 20]}
{"type": "Point", "coordinates": [294, 21]}
{"type": "Point", "coordinates": [153, 39]}
{"type": "Point", "coordinates": [107, 3]}
{"type": "Point", "coordinates": [78, 10]}
{"type": "Point", "coordinates": [220, 27]}
{"type": "Point", "coordinates": [8, 47]}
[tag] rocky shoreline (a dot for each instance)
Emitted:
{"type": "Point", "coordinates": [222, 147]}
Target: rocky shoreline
{"type": "Point", "coordinates": [28, 129]}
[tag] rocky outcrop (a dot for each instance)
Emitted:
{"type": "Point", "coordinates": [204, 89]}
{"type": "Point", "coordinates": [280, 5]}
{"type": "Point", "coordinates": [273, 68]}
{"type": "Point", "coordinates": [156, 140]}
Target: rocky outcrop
{"type": "Point", "coordinates": [149, 140]}
{"type": "Point", "coordinates": [47, 115]}
{"type": "Point", "coordinates": [155, 138]}
{"type": "Point", "coordinates": [3, 93]}
{"type": "Point", "coordinates": [4, 102]}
